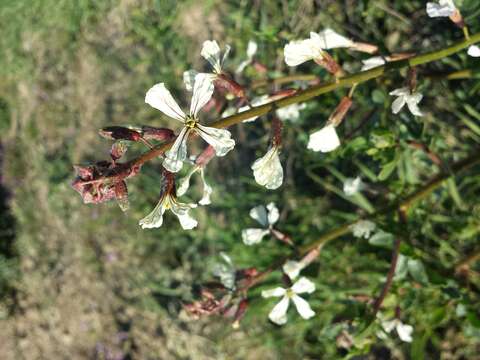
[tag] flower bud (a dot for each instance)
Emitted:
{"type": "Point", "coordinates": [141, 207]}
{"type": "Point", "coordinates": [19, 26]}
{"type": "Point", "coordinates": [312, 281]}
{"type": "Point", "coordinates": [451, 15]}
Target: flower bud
{"type": "Point", "coordinates": [120, 133]}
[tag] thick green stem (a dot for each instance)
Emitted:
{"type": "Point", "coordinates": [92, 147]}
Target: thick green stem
{"type": "Point", "coordinates": [317, 90]}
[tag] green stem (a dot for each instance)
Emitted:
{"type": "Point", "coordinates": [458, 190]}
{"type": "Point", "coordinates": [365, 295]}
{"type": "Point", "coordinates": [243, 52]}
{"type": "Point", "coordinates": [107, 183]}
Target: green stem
{"type": "Point", "coordinates": [317, 90]}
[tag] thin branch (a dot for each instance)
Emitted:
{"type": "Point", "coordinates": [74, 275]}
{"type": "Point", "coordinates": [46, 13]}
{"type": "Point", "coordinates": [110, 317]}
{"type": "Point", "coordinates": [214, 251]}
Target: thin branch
{"type": "Point", "coordinates": [393, 266]}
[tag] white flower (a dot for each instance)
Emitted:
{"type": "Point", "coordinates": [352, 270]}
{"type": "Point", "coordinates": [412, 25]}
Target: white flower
{"type": "Point", "coordinates": [363, 228]}
{"type": "Point", "coordinates": [299, 51]}
{"type": "Point", "coordinates": [292, 268]}
{"type": "Point", "coordinates": [352, 186]}
{"type": "Point", "coordinates": [474, 51]}
{"type": "Point", "coordinates": [226, 272]}
{"type": "Point", "coordinates": [324, 140]}
{"type": "Point", "coordinates": [251, 51]}
{"type": "Point", "coordinates": [169, 202]}
{"type": "Point", "coordinates": [220, 139]}
{"type": "Point", "coordinates": [184, 184]}
{"type": "Point", "coordinates": [404, 331]}
{"type": "Point", "coordinates": [266, 216]}
{"type": "Point", "coordinates": [291, 112]}
{"type": "Point", "coordinates": [444, 8]}
{"type": "Point", "coordinates": [278, 315]}
{"type": "Point", "coordinates": [268, 170]}
{"type": "Point", "coordinates": [212, 53]}
{"type": "Point", "coordinates": [406, 97]}
{"type": "Point", "coordinates": [372, 62]}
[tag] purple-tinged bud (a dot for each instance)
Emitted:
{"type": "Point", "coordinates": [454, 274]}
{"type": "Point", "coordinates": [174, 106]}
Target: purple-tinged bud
{"type": "Point", "coordinates": [159, 134]}
{"type": "Point", "coordinates": [120, 133]}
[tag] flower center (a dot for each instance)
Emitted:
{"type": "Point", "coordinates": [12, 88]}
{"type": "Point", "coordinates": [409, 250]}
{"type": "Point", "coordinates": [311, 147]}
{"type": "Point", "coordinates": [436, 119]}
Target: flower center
{"type": "Point", "coordinates": [290, 293]}
{"type": "Point", "coordinates": [190, 122]}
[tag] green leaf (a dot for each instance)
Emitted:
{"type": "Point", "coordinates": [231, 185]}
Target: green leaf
{"type": "Point", "coordinates": [387, 170]}
{"type": "Point", "coordinates": [417, 270]}
{"type": "Point", "coordinates": [382, 239]}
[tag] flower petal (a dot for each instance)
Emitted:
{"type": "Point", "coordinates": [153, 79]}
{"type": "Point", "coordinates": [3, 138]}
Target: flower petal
{"type": "Point", "coordinates": [259, 213]}
{"type": "Point", "coordinates": [207, 190]}
{"type": "Point", "coordinates": [303, 307]}
{"type": "Point", "coordinates": [404, 332]}
{"type": "Point", "coordinates": [202, 93]}
{"type": "Point", "coordinates": [398, 104]}
{"type": "Point", "coordinates": [189, 79]}
{"type": "Point", "coordinates": [276, 292]}
{"type": "Point", "coordinates": [220, 139]}
{"type": "Point", "coordinates": [404, 91]}
{"type": "Point", "coordinates": [273, 213]}
{"type": "Point", "coordinates": [373, 62]}
{"type": "Point", "coordinates": [268, 170]}
{"type": "Point", "coordinates": [261, 100]}
{"type": "Point", "coordinates": [389, 325]}
{"type": "Point", "coordinates": [444, 8]}
{"type": "Point", "coordinates": [211, 53]}
{"type": "Point", "coordinates": [352, 186]}
{"type": "Point", "coordinates": [160, 98]}
{"type": "Point", "coordinates": [253, 236]}
{"type": "Point", "coordinates": [324, 140]}
{"type": "Point", "coordinates": [329, 39]}
{"type": "Point", "coordinates": [474, 51]}
{"type": "Point", "coordinates": [413, 107]}
{"type": "Point", "coordinates": [181, 210]}
{"type": "Point", "coordinates": [292, 268]}
{"type": "Point", "coordinates": [177, 154]}
{"type": "Point", "coordinates": [225, 55]}
{"type": "Point", "coordinates": [303, 285]}
{"type": "Point", "coordinates": [278, 315]}
{"type": "Point", "coordinates": [300, 51]}
{"type": "Point", "coordinates": [252, 48]}
{"type": "Point", "coordinates": [184, 183]}
{"type": "Point", "coordinates": [155, 218]}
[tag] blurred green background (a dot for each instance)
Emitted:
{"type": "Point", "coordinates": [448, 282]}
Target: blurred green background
{"type": "Point", "coordinates": [85, 282]}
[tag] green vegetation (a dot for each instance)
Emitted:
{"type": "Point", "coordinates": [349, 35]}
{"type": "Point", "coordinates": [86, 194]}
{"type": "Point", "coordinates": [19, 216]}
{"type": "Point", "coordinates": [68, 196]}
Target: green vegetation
{"type": "Point", "coordinates": [86, 282]}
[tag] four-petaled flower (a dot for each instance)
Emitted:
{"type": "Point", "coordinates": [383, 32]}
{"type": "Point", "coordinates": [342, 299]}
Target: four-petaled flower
{"type": "Point", "coordinates": [351, 186]}
{"type": "Point", "coordinates": [266, 217]}
{"type": "Point", "coordinates": [278, 315]}
{"type": "Point", "coordinates": [220, 139]}
{"type": "Point", "coordinates": [299, 51]}
{"type": "Point", "coordinates": [363, 228]}
{"type": "Point", "coordinates": [324, 140]}
{"type": "Point", "coordinates": [404, 331]}
{"type": "Point", "coordinates": [168, 201]}
{"type": "Point", "coordinates": [444, 8]}
{"type": "Point", "coordinates": [405, 96]}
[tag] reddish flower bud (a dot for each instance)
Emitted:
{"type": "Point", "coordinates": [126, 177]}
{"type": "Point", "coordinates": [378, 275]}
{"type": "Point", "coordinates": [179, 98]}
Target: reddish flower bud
{"type": "Point", "coordinates": [120, 133]}
{"type": "Point", "coordinates": [119, 148]}
{"type": "Point", "coordinates": [159, 134]}
{"type": "Point", "coordinates": [339, 113]}
{"type": "Point", "coordinates": [240, 313]}
{"type": "Point", "coordinates": [225, 83]}
{"type": "Point", "coordinates": [330, 64]}
{"type": "Point", "coordinates": [121, 195]}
